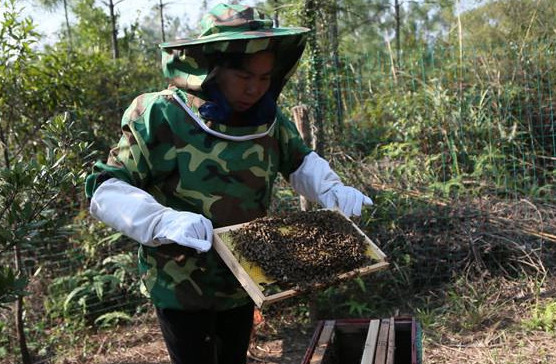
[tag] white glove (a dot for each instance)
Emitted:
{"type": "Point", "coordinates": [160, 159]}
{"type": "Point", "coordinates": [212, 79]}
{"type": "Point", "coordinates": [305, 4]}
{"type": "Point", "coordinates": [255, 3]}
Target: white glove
{"type": "Point", "coordinates": [135, 213]}
{"type": "Point", "coordinates": [315, 180]}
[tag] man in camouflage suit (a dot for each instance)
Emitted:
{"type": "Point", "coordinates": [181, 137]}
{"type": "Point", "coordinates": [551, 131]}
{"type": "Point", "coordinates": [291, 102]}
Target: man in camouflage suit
{"type": "Point", "coordinates": [205, 153]}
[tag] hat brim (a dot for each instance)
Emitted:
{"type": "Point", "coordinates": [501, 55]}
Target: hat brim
{"type": "Point", "coordinates": [232, 36]}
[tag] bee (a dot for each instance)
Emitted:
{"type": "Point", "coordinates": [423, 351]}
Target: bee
{"type": "Point", "coordinates": [302, 248]}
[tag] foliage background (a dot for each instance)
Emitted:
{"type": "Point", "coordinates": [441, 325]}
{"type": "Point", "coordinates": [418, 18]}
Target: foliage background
{"type": "Point", "coordinates": [445, 118]}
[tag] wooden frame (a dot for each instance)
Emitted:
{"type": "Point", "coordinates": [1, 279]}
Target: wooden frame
{"type": "Point", "coordinates": [254, 283]}
{"type": "Point", "coordinates": [388, 340]}
{"type": "Point", "coordinates": [326, 338]}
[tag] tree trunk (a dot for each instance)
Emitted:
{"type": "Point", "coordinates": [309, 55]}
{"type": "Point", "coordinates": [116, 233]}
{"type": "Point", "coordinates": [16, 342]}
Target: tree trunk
{"type": "Point", "coordinates": [162, 21]}
{"type": "Point", "coordinates": [398, 35]}
{"type": "Point", "coordinates": [302, 120]}
{"type": "Point", "coordinates": [70, 42]}
{"type": "Point", "coordinates": [4, 142]}
{"type": "Point", "coordinates": [19, 322]}
{"type": "Point", "coordinates": [335, 46]}
{"type": "Point", "coordinates": [314, 88]}
{"type": "Point", "coordinates": [301, 116]}
{"type": "Point", "coordinates": [18, 312]}
{"type": "Point", "coordinates": [315, 73]}
{"type": "Point", "coordinates": [115, 51]}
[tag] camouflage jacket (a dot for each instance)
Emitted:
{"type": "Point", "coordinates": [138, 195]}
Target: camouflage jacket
{"type": "Point", "coordinates": [165, 152]}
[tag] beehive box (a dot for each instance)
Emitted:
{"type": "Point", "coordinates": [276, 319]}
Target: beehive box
{"type": "Point", "coordinates": [393, 340]}
{"type": "Point", "coordinates": [264, 288]}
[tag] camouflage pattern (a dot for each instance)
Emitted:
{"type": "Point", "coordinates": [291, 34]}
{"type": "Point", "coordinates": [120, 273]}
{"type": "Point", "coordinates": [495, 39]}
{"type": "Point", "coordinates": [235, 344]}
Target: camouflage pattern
{"type": "Point", "coordinates": [164, 152]}
{"type": "Point", "coordinates": [231, 22]}
{"type": "Point", "coordinates": [231, 29]}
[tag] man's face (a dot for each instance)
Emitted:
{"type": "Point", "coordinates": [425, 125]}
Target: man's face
{"type": "Point", "coordinates": [245, 86]}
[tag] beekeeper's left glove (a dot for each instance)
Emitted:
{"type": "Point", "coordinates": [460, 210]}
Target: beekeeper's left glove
{"type": "Point", "coordinates": [315, 180]}
{"type": "Point", "coordinates": [136, 214]}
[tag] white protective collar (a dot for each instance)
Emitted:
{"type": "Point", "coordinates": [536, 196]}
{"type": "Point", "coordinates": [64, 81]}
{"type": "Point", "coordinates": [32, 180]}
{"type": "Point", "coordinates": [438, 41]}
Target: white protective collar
{"type": "Point", "coordinates": [234, 138]}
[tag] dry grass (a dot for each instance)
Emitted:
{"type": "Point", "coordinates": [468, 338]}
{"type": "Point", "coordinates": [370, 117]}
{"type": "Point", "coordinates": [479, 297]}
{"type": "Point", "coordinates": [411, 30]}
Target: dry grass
{"type": "Point", "coordinates": [475, 283]}
{"type": "Point", "coordinates": [475, 273]}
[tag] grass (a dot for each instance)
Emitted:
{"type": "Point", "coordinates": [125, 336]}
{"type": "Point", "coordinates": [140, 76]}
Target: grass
{"type": "Point", "coordinates": [477, 272]}
{"type": "Point", "coordinates": [542, 317]}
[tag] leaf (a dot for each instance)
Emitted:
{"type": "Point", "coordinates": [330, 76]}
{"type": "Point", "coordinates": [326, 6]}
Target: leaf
{"type": "Point", "coordinates": [111, 238]}
{"type": "Point", "coordinates": [59, 161]}
{"type": "Point", "coordinates": [72, 295]}
{"type": "Point", "coordinates": [99, 288]}
{"type": "Point", "coordinates": [111, 318]}
{"type": "Point", "coordinates": [12, 286]}
{"type": "Point", "coordinates": [122, 259]}
{"type": "Point", "coordinates": [361, 284]}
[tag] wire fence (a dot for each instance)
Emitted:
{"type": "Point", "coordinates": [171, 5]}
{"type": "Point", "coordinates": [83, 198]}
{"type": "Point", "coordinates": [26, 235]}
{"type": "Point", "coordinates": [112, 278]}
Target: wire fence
{"type": "Point", "coordinates": [441, 117]}
{"type": "Point", "coordinates": [482, 115]}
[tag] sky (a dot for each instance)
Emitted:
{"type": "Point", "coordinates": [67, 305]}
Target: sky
{"type": "Point", "coordinates": [129, 10]}
{"type": "Point", "coordinates": [187, 10]}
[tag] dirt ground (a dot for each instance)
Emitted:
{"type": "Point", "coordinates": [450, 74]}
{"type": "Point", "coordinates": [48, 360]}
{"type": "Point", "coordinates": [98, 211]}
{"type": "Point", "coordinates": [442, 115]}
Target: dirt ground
{"type": "Point", "coordinates": [288, 344]}
{"type": "Point", "coordinates": [475, 277]}
{"type": "Point", "coordinates": [285, 342]}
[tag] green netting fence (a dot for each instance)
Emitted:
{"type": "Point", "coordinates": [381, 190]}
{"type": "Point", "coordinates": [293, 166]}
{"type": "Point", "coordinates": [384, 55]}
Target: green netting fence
{"type": "Point", "coordinates": [450, 120]}
{"type": "Point", "coordinates": [479, 117]}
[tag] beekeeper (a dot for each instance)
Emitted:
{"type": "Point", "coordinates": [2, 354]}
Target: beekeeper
{"type": "Point", "coordinates": [205, 153]}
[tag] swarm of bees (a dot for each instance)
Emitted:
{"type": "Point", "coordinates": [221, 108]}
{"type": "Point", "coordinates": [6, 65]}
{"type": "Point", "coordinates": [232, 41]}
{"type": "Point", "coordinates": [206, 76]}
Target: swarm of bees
{"type": "Point", "coordinates": [303, 248]}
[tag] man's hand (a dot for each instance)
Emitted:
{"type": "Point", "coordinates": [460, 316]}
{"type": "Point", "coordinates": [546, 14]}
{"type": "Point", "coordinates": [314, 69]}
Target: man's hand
{"type": "Point", "coordinates": [348, 200]}
{"type": "Point", "coordinates": [185, 228]}
{"type": "Point", "coordinates": [315, 180]}
{"type": "Point", "coordinates": [135, 213]}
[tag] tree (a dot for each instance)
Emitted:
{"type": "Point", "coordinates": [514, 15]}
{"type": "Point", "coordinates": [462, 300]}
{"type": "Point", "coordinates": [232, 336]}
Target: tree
{"type": "Point", "coordinates": [114, 23]}
{"type": "Point", "coordinates": [497, 23]}
{"type": "Point", "coordinates": [52, 5]}
{"type": "Point", "coordinates": [33, 170]}
{"type": "Point", "coordinates": [92, 31]}
{"type": "Point", "coordinates": [15, 50]}
{"type": "Point", "coordinates": [95, 21]}
{"type": "Point", "coordinates": [315, 76]}
{"type": "Point", "coordinates": [161, 6]}
{"type": "Point", "coordinates": [333, 35]}
{"type": "Point", "coordinates": [151, 23]}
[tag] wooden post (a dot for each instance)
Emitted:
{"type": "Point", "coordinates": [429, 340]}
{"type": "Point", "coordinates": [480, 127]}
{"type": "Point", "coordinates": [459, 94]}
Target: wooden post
{"type": "Point", "coordinates": [303, 123]}
{"type": "Point", "coordinates": [370, 342]}
{"type": "Point", "coordinates": [326, 339]}
{"type": "Point", "coordinates": [382, 342]}
{"type": "Point", "coordinates": [302, 119]}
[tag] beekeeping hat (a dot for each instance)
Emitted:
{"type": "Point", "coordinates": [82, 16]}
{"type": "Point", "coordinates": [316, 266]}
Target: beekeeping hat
{"type": "Point", "coordinates": [231, 29]}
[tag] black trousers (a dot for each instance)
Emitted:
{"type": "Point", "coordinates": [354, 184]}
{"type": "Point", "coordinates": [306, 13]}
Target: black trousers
{"type": "Point", "coordinates": [207, 337]}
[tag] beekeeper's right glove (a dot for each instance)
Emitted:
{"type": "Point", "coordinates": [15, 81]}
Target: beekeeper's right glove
{"type": "Point", "coordinates": [135, 213]}
{"type": "Point", "coordinates": [315, 180]}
